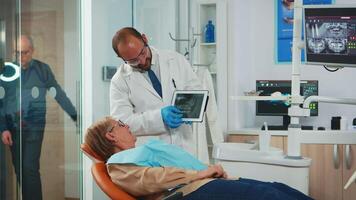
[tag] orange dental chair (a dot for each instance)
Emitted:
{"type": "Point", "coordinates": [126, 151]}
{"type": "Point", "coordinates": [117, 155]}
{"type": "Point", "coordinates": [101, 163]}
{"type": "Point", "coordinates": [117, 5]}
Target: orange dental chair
{"type": "Point", "coordinates": [102, 177]}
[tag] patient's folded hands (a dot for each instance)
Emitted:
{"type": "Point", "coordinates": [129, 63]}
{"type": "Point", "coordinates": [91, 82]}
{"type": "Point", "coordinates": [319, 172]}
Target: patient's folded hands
{"type": "Point", "coordinates": [213, 171]}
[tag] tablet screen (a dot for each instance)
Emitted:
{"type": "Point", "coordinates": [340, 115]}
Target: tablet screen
{"type": "Point", "coordinates": [192, 103]}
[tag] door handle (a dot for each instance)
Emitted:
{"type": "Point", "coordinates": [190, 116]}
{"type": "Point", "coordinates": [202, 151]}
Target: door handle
{"type": "Point", "coordinates": [77, 123]}
{"type": "Point", "coordinates": [2, 62]}
{"type": "Point", "coordinates": [348, 157]}
{"type": "Point", "coordinates": [336, 158]}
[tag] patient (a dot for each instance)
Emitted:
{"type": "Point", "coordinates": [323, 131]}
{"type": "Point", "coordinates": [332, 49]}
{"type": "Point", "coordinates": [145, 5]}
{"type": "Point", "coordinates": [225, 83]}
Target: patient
{"type": "Point", "coordinates": [149, 171]}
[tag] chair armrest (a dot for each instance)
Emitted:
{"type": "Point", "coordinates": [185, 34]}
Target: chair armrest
{"type": "Point", "coordinates": [174, 196]}
{"type": "Point", "coordinates": [103, 180]}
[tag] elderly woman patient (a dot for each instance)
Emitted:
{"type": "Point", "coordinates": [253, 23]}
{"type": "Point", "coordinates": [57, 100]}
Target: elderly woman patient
{"type": "Point", "coordinates": [151, 170]}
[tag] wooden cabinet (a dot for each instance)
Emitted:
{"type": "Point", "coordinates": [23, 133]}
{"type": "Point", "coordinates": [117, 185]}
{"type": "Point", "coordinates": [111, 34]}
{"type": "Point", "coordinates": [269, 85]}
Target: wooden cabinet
{"type": "Point", "coordinates": [348, 170]}
{"type": "Point", "coordinates": [276, 141]}
{"type": "Point", "coordinates": [326, 178]}
{"type": "Point", "coordinates": [325, 181]}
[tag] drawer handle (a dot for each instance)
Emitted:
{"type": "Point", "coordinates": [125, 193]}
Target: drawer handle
{"type": "Point", "coordinates": [250, 141]}
{"type": "Point", "coordinates": [336, 157]}
{"type": "Point", "coordinates": [348, 156]}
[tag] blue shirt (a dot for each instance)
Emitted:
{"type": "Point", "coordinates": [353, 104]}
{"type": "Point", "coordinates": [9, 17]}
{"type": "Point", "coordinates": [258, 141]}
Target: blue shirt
{"type": "Point", "coordinates": [33, 108]}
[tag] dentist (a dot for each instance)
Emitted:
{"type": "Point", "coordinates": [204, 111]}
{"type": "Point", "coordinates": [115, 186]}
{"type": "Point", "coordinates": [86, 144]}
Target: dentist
{"type": "Point", "coordinates": [141, 90]}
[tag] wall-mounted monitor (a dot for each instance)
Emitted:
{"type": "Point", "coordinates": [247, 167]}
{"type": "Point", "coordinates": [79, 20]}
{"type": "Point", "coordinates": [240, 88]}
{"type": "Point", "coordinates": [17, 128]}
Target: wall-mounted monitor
{"type": "Point", "coordinates": [330, 35]}
{"type": "Point", "coordinates": [280, 108]}
{"type": "Point", "coordinates": [283, 88]}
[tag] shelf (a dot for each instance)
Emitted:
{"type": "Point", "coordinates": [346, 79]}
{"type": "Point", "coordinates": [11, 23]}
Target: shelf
{"type": "Point", "coordinates": [208, 44]}
{"type": "Point", "coordinates": [259, 98]}
{"type": "Point", "coordinates": [256, 131]}
{"type": "Point", "coordinates": [213, 54]}
{"type": "Point", "coordinates": [306, 136]}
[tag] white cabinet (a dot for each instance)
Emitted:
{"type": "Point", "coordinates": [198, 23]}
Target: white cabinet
{"type": "Point", "coordinates": [212, 55]}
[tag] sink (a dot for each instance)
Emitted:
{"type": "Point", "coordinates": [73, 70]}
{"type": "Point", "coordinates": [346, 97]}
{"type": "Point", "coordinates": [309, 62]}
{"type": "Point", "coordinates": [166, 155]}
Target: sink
{"type": "Point", "coordinates": [245, 160]}
{"type": "Point", "coordinates": [244, 152]}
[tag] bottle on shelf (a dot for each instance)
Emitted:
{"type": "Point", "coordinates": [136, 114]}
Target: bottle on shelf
{"type": "Point", "coordinates": [209, 32]}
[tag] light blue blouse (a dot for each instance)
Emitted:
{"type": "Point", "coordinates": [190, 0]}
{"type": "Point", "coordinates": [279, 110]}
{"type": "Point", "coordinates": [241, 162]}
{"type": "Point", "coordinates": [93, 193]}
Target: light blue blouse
{"type": "Point", "coordinates": [156, 153]}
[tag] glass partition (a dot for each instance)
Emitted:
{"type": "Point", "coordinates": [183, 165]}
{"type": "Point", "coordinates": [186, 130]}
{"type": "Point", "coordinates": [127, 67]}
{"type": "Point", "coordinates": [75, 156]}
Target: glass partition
{"type": "Point", "coordinates": [39, 99]}
{"type": "Point", "coordinates": [9, 103]}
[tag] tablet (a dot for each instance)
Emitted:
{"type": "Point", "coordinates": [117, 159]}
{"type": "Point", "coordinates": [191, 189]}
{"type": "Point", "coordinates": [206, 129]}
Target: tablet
{"type": "Point", "coordinates": [192, 103]}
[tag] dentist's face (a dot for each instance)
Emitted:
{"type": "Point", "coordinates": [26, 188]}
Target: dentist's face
{"type": "Point", "coordinates": [136, 52]}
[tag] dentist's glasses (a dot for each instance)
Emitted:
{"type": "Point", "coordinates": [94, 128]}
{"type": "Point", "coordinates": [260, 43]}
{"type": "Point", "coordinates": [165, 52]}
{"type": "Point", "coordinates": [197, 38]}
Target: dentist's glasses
{"type": "Point", "coordinates": [136, 61]}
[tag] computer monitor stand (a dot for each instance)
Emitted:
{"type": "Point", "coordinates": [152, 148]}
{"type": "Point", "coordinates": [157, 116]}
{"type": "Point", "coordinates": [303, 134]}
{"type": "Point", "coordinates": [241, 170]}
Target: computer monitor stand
{"type": "Point", "coordinates": [284, 126]}
{"type": "Point", "coordinates": [286, 122]}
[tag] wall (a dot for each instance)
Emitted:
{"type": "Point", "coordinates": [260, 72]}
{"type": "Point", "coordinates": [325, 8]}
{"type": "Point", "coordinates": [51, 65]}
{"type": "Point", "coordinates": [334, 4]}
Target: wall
{"type": "Point", "coordinates": [108, 17]}
{"type": "Point", "coordinates": [8, 14]}
{"type": "Point", "coordinates": [156, 19]}
{"type": "Point", "coordinates": [251, 39]}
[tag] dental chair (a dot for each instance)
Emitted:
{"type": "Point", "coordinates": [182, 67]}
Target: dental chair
{"type": "Point", "coordinates": [103, 180]}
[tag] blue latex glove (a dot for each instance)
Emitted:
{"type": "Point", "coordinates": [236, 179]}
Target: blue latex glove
{"type": "Point", "coordinates": [172, 116]}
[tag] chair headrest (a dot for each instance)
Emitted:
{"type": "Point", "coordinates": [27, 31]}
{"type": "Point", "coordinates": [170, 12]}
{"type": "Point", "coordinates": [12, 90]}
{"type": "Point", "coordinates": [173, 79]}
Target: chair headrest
{"type": "Point", "coordinates": [90, 153]}
{"type": "Point", "coordinates": [102, 178]}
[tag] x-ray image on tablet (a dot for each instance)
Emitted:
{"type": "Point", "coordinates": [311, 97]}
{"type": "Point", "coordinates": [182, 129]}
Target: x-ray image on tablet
{"type": "Point", "coordinates": [192, 103]}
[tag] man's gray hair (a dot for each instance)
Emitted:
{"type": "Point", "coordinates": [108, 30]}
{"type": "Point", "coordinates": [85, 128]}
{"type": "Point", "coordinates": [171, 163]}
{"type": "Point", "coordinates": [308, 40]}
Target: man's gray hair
{"type": "Point", "coordinates": [29, 38]}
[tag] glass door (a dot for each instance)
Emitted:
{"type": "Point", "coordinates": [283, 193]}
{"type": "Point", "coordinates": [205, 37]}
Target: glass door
{"type": "Point", "coordinates": [39, 99]}
{"type": "Point", "coordinates": [9, 102]}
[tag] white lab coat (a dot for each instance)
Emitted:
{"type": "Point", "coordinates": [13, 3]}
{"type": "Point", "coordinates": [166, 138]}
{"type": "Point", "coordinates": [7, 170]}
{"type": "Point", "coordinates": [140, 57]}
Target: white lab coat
{"type": "Point", "coordinates": [210, 124]}
{"type": "Point", "coordinates": [134, 101]}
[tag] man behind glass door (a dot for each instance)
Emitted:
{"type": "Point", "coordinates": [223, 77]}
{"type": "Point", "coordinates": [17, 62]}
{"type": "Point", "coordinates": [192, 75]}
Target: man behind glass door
{"type": "Point", "coordinates": [36, 79]}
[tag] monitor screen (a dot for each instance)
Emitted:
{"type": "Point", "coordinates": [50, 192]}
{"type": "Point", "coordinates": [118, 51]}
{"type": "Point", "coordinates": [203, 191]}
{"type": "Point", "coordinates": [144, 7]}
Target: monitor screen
{"type": "Point", "coordinates": [330, 35]}
{"type": "Point", "coordinates": [280, 88]}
